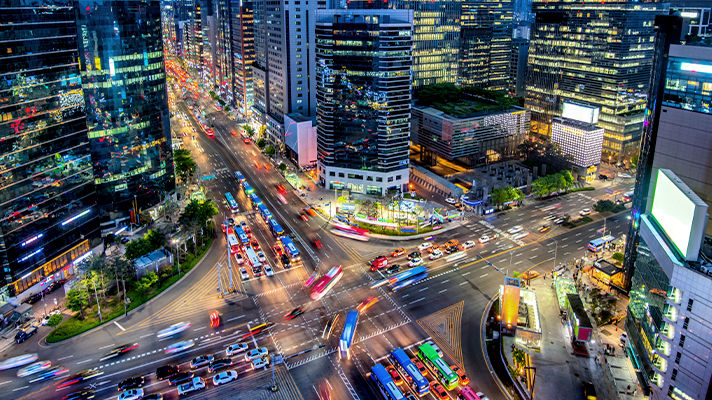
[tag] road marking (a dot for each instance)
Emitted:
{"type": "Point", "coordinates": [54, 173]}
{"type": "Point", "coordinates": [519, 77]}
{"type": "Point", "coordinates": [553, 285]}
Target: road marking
{"type": "Point", "coordinates": [445, 281]}
{"type": "Point", "coordinates": [533, 257]}
{"type": "Point", "coordinates": [579, 241]}
{"type": "Point", "coordinates": [232, 319]}
{"type": "Point", "coordinates": [467, 273]}
{"type": "Point", "coordinates": [145, 336]}
{"type": "Point", "coordinates": [20, 388]}
{"type": "Point", "coordinates": [64, 358]}
{"type": "Point", "coordinates": [4, 383]}
{"type": "Point", "coordinates": [85, 361]}
{"type": "Point", "coordinates": [518, 262]}
{"type": "Point", "coordinates": [463, 283]}
{"type": "Point", "coordinates": [197, 329]}
{"type": "Point", "coordinates": [120, 327]}
{"type": "Point", "coordinates": [415, 301]}
{"type": "Point", "coordinates": [578, 234]}
{"type": "Point", "coordinates": [444, 290]}
{"type": "Point", "coordinates": [482, 276]}
{"type": "Point", "coordinates": [106, 347]}
{"type": "Point", "coordinates": [425, 288]}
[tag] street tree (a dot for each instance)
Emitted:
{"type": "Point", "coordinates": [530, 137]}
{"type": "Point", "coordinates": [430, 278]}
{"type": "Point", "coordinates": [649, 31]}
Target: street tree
{"type": "Point", "coordinates": [55, 319]}
{"type": "Point", "coordinates": [370, 208]}
{"type": "Point", "coordinates": [195, 216]}
{"type": "Point", "coordinates": [269, 150]}
{"type": "Point", "coordinates": [184, 163]}
{"type": "Point", "coordinates": [137, 248]}
{"type": "Point", "coordinates": [261, 143]}
{"type": "Point", "coordinates": [77, 299]}
{"type": "Point", "coordinates": [282, 167]}
{"type": "Point", "coordinates": [97, 266]}
{"type": "Point", "coordinates": [248, 130]}
{"type": "Point", "coordinates": [122, 269]}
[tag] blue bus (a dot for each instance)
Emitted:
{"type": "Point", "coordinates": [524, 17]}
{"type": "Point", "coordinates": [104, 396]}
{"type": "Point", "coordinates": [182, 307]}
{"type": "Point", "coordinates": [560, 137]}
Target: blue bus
{"type": "Point", "coordinates": [596, 245]}
{"type": "Point", "coordinates": [231, 202]}
{"type": "Point", "coordinates": [264, 212]}
{"type": "Point", "coordinates": [241, 236]}
{"type": "Point", "coordinates": [290, 249]}
{"type": "Point", "coordinates": [247, 188]}
{"type": "Point", "coordinates": [385, 383]}
{"type": "Point", "coordinates": [274, 227]}
{"type": "Point", "coordinates": [347, 336]}
{"type": "Point", "coordinates": [256, 201]}
{"type": "Point", "coordinates": [239, 176]}
{"type": "Point", "coordinates": [407, 282]}
{"type": "Point", "coordinates": [410, 372]}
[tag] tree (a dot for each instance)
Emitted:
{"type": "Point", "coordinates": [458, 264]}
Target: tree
{"type": "Point", "coordinates": [122, 269]}
{"type": "Point", "coordinates": [185, 166]}
{"type": "Point", "coordinates": [604, 205]}
{"type": "Point", "coordinates": [147, 281]}
{"type": "Point", "coordinates": [618, 257]}
{"type": "Point", "coordinates": [156, 239]}
{"type": "Point", "coordinates": [282, 167]}
{"type": "Point", "coordinates": [248, 130]}
{"type": "Point", "coordinates": [55, 319]}
{"type": "Point", "coordinates": [528, 149]}
{"type": "Point", "coordinates": [137, 248]}
{"type": "Point", "coordinates": [269, 150]}
{"type": "Point", "coordinates": [196, 214]}
{"type": "Point", "coordinates": [227, 108]}
{"type": "Point", "coordinates": [369, 208]}
{"type": "Point", "coordinates": [96, 265]}
{"type": "Point", "coordinates": [263, 130]}
{"type": "Point", "coordinates": [77, 299]}
{"type": "Point", "coordinates": [498, 196]}
{"type": "Point", "coordinates": [261, 143]}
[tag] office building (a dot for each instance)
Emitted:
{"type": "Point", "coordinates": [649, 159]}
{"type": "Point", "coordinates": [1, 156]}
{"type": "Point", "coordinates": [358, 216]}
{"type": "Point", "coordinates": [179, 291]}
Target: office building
{"type": "Point", "coordinates": [363, 70]}
{"type": "Point", "coordinates": [474, 136]}
{"type": "Point", "coordinates": [577, 135]}
{"type": "Point", "coordinates": [594, 53]}
{"type": "Point", "coordinates": [518, 67]}
{"type": "Point", "coordinates": [243, 51]}
{"type": "Point", "coordinates": [669, 311]}
{"type": "Point", "coordinates": [695, 18]}
{"type": "Point", "coordinates": [223, 62]}
{"type": "Point", "coordinates": [485, 44]}
{"type": "Point", "coordinates": [124, 83]}
{"type": "Point", "coordinates": [47, 194]}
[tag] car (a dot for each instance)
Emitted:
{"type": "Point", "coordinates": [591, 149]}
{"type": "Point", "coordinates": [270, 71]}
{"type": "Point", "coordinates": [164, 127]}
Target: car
{"type": "Point", "coordinates": [559, 221]}
{"type": "Point", "coordinates": [282, 199]}
{"type": "Point", "coordinates": [482, 396]}
{"type": "Point", "coordinates": [219, 364]}
{"type": "Point", "coordinates": [180, 346]}
{"type": "Point", "coordinates": [434, 247]}
{"type": "Point", "coordinates": [425, 246]}
{"type": "Point", "coordinates": [174, 329]}
{"type": "Point", "coordinates": [214, 319]}
{"type": "Point", "coordinates": [551, 217]}
{"type": "Point", "coordinates": [393, 269]}
{"type": "Point", "coordinates": [261, 256]}
{"type": "Point", "coordinates": [294, 313]}
{"type": "Point", "coordinates": [515, 229]}
{"type": "Point", "coordinates": [243, 274]}
{"type": "Point", "coordinates": [200, 148]}
{"type": "Point", "coordinates": [224, 377]}
{"type": "Point", "coordinates": [240, 259]}
{"type": "Point", "coordinates": [436, 254]}
{"type": "Point", "coordinates": [54, 286]}
{"type": "Point", "coordinates": [281, 189]}
{"type": "Point", "coordinates": [285, 260]}
{"type": "Point", "coordinates": [398, 252]}
{"type": "Point", "coordinates": [437, 390]}
{"type": "Point", "coordinates": [18, 361]}
{"type": "Point", "coordinates": [452, 243]}
{"type": "Point", "coordinates": [452, 249]}
{"type": "Point", "coordinates": [49, 374]}
{"type": "Point", "coordinates": [125, 240]}
{"type": "Point", "coordinates": [235, 349]}
{"type": "Point", "coordinates": [318, 244]}
{"type": "Point", "coordinates": [584, 212]}
{"type": "Point", "coordinates": [378, 263]}
{"type": "Point", "coordinates": [257, 271]}
{"type": "Point", "coordinates": [231, 221]}
{"type": "Point", "coordinates": [468, 244]}
{"type": "Point", "coordinates": [329, 327]}
{"type": "Point", "coordinates": [201, 361]}
{"type": "Point", "coordinates": [255, 245]}
{"type": "Point", "coordinates": [45, 320]}
{"type": "Point", "coordinates": [366, 304]}
{"type": "Point", "coordinates": [544, 228]}
{"type": "Point", "coordinates": [166, 371]}
{"type": "Point", "coordinates": [260, 363]}
{"type": "Point", "coordinates": [415, 262]}
{"type": "Point", "coordinates": [244, 227]}
{"type": "Point", "coordinates": [310, 211]}
{"type": "Point", "coordinates": [410, 396]}
{"type": "Point", "coordinates": [278, 250]}
{"type": "Point", "coordinates": [268, 270]}
{"type": "Point", "coordinates": [131, 383]}
{"type": "Point", "coordinates": [414, 254]}
{"type": "Point", "coordinates": [394, 375]}
{"type": "Point", "coordinates": [196, 383]}
{"type": "Point", "coordinates": [484, 239]}
{"type": "Point", "coordinates": [520, 235]}
{"type": "Point", "coordinates": [451, 200]}
{"type": "Point", "coordinates": [436, 348]}
{"type": "Point", "coordinates": [418, 364]}
{"type": "Point", "coordinates": [464, 380]}
{"type": "Point", "coordinates": [304, 217]}
{"type": "Point", "coordinates": [180, 378]}
{"type": "Point", "coordinates": [34, 368]}
{"type": "Point", "coordinates": [34, 298]}
{"type": "Point", "coordinates": [80, 376]}
{"type": "Point", "coordinates": [24, 334]}
{"type": "Point", "coordinates": [83, 395]}
{"type": "Point", "coordinates": [233, 132]}
{"type": "Point", "coordinates": [256, 353]}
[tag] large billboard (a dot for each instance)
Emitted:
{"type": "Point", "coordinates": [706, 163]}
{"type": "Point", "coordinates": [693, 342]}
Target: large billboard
{"type": "Point", "coordinates": [680, 213]}
{"type": "Point", "coordinates": [580, 112]}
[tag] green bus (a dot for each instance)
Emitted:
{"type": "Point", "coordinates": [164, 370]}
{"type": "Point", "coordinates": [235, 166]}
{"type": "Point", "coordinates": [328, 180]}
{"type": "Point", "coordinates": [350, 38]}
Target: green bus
{"type": "Point", "coordinates": [442, 371]}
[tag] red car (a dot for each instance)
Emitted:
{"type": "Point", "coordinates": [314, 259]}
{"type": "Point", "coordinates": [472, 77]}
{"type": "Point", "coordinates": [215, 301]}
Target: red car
{"type": "Point", "coordinates": [366, 304]}
{"type": "Point", "coordinates": [318, 244]}
{"type": "Point", "coordinates": [278, 249]}
{"type": "Point", "coordinates": [378, 263]}
{"type": "Point", "coordinates": [394, 374]}
{"type": "Point", "coordinates": [438, 391]}
{"type": "Point", "coordinates": [421, 368]}
{"type": "Point", "coordinates": [294, 314]}
{"type": "Point", "coordinates": [214, 319]}
{"type": "Point", "coordinates": [304, 217]}
{"type": "Point", "coordinates": [255, 245]}
{"type": "Point", "coordinates": [281, 189]}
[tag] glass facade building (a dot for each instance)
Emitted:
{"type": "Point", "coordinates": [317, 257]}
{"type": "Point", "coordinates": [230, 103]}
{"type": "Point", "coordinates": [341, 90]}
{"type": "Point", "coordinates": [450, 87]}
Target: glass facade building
{"type": "Point", "coordinates": [47, 194]}
{"type": "Point", "coordinates": [243, 45]}
{"type": "Point", "coordinates": [124, 82]}
{"type": "Point", "coordinates": [363, 78]}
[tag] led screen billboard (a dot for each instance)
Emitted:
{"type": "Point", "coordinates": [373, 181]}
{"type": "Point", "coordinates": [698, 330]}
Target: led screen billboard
{"type": "Point", "coordinates": [580, 112]}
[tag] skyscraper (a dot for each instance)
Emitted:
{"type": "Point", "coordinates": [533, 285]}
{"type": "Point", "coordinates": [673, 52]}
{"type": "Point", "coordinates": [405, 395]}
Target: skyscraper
{"type": "Point", "coordinates": [243, 50]}
{"type": "Point", "coordinates": [124, 82]}
{"type": "Point", "coordinates": [47, 194]}
{"type": "Point", "coordinates": [593, 53]}
{"type": "Point", "coordinates": [363, 74]}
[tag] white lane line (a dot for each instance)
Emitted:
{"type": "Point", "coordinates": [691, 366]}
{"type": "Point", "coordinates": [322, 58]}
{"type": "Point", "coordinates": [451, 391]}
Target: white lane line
{"type": "Point", "coordinates": [85, 361]}
{"type": "Point", "coordinates": [120, 327]}
{"type": "Point", "coordinates": [482, 276]}
{"type": "Point", "coordinates": [467, 273]}
{"type": "Point", "coordinates": [444, 290]}
{"type": "Point", "coordinates": [232, 319]}
{"type": "Point", "coordinates": [197, 329]}
{"type": "Point", "coordinates": [106, 347]}
{"type": "Point", "coordinates": [445, 281]}
{"type": "Point", "coordinates": [425, 288]}
{"type": "Point", "coordinates": [20, 388]}
{"type": "Point", "coordinates": [579, 241]}
{"type": "Point", "coordinates": [145, 336]}
{"type": "Point", "coordinates": [5, 383]}
{"type": "Point", "coordinates": [533, 257]}
{"type": "Point", "coordinates": [65, 358]}
{"type": "Point", "coordinates": [518, 262]}
{"type": "Point", "coordinates": [415, 301]}
{"type": "Point", "coordinates": [463, 283]}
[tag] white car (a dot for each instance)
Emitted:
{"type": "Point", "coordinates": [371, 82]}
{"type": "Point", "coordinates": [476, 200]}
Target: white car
{"type": "Point", "coordinates": [435, 255]}
{"type": "Point", "coordinates": [559, 221]}
{"type": "Point", "coordinates": [259, 363]}
{"type": "Point", "coordinates": [550, 217]}
{"type": "Point", "coordinates": [261, 256]}
{"type": "Point", "coordinates": [482, 396]}
{"type": "Point", "coordinates": [18, 361]}
{"type": "Point", "coordinates": [436, 348]}
{"type": "Point", "coordinates": [415, 262]}
{"type": "Point", "coordinates": [45, 320]}
{"type": "Point", "coordinates": [235, 349]}
{"type": "Point", "coordinates": [239, 258]}
{"type": "Point", "coordinates": [174, 329]}
{"type": "Point", "coordinates": [201, 149]}
{"type": "Point", "coordinates": [268, 270]}
{"type": "Point", "coordinates": [484, 239]}
{"type": "Point", "coordinates": [131, 394]}
{"type": "Point", "coordinates": [451, 200]}
{"type": "Point", "coordinates": [197, 383]}
{"type": "Point", "coordinates": [224, 377]}
{"type": "Point", "coordinates": [468, 244]}
{"type": "Point", "coordinates": [520, 235]}
{"type": "Point", "coordinates": [256, 353]}
{"type": "Point", "coordinates": [425, 246]}
{"type": "Point", "coordinates": [585, 212]}
{"type": "Point", "coordinates": [34, 368]}
{"type": "Point", "coordinates": [515, 229]}
{"type": "Point", "coordinates": [180, 346]}
{"type": "Point", "coordinates": [243, 274]}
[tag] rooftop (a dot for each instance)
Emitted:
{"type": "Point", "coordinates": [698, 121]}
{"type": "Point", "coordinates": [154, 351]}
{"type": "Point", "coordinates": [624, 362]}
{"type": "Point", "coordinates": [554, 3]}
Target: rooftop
{"type": "Point", "coordinates": [578, 309]}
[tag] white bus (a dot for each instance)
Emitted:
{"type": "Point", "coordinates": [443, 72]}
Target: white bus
{"type": "Point", "coordinates": [254, 261]}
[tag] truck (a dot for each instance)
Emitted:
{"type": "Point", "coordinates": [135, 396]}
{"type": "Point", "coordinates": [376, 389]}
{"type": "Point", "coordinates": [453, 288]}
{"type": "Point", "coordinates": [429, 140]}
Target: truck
{"type": "Point", "coordinates": [197, 383]}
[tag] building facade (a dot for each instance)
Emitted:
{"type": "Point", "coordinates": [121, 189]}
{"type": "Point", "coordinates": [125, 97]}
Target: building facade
{"type": "Point", "coordinates": [594, 53]}
{"type": "Point", "coordinates": [518, 67]}
{"type": "Point", "coordinates": [243, 50]}
{"type": "Point", "coordinates": [363, 74]}
{"type": "Point", "coordinates": [124, 83]}
{"type": "Point", "coordinates": [583, 141]}
{"type": "Point", "coordinates": [47, 194]}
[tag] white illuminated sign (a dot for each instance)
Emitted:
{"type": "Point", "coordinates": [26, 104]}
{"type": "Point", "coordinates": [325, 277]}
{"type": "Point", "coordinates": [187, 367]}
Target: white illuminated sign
{"type": "Point", "coordinates": [30, 240]}
{"type": "Point", "coordinates": [75, 217]}
{"type": "Point", "coordinates": [687, 14]}
{"type": "Point", "coordinates": [30, 255]}
{"type": "Point", "coordinates": [707, 69]}
{"type": "Point", "coordinates": [580, 112]}
{"type": "Point", "coordinates": [82, 257]}
{"type": "Point", "coordinates": [112, 72]}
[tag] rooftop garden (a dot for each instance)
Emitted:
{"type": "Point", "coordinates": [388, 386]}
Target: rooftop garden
{"type": "Point", "coordinates": [463, 101]}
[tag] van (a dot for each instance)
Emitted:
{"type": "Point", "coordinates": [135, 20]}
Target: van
{"type": "Point", "coordinates": [378, 263]}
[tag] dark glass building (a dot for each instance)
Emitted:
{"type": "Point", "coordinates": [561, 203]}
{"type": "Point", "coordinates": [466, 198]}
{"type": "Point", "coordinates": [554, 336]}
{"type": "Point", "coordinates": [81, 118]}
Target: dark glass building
{"type": "Point", "coordinates": [47, 194]}
{"type": "Point", "coordinates": [363, 75]}
{"type": "Point", "coordinates": [123, 76]}
{"type": "Point", "coordinates": [243, 45]}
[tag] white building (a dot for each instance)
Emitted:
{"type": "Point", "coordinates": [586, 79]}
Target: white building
{"type": "Point", "coordinates": [576, 134]}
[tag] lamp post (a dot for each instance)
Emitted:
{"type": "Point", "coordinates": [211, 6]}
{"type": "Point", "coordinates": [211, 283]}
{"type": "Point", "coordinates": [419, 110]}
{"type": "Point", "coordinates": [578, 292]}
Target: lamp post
{"type": "Point", "coordinates": [511, 255]}
{"type": "Point", "coordinates": [97, 297]}
{"type": "Point", "coordinates": [556, 249]}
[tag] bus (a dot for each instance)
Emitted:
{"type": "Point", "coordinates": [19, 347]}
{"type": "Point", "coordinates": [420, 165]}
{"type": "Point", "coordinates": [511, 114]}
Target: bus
{"type": "Point", "coordinates": [232, 243]}
{"type": "Point", "coordinates": [247, 188]}
{"type": "Point", "coordinates": [264, 212]}
{"type": "Point", "coordinates": [440, 370]}
{"type": "Point", "coordinates": [410, 372]}
{"type": "Point", "coordinates": [327, 282]}
{"type": "Point", "coordinates": [350, 232]}
{"type": "Point", "coordinates": [231, 202]}
{"type": "Point", "coordinates": [239, 176]}
{"type": "Point", "coordinates": [274, 227]}
{"type": "Point", "coordinates": [466, 393]}
{"type": "Point", "coordinates": [385, 383]}
{"type": "Point", "coordinates": [347, 335]}
{"type": "Point", "coordinates": [241, 235]}
{"type": "Point", "coordinates": [290, 249]}
{"type": "Point", "coordinates": [253, 260]}
{"type": "Point", "coordinates": [596, 245]}
{"type": "Point", "coordinates": [256, 202]}
{"type": "Point", "coordinates": [400, 284]}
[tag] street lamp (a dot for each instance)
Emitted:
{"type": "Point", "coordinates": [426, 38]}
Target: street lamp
{"type": "Point", "coordinates": [511, 255]}
{"type": "Point", "coordinates": [95, 295]}
{"type": "Point", "coordinates": [556, 249]}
